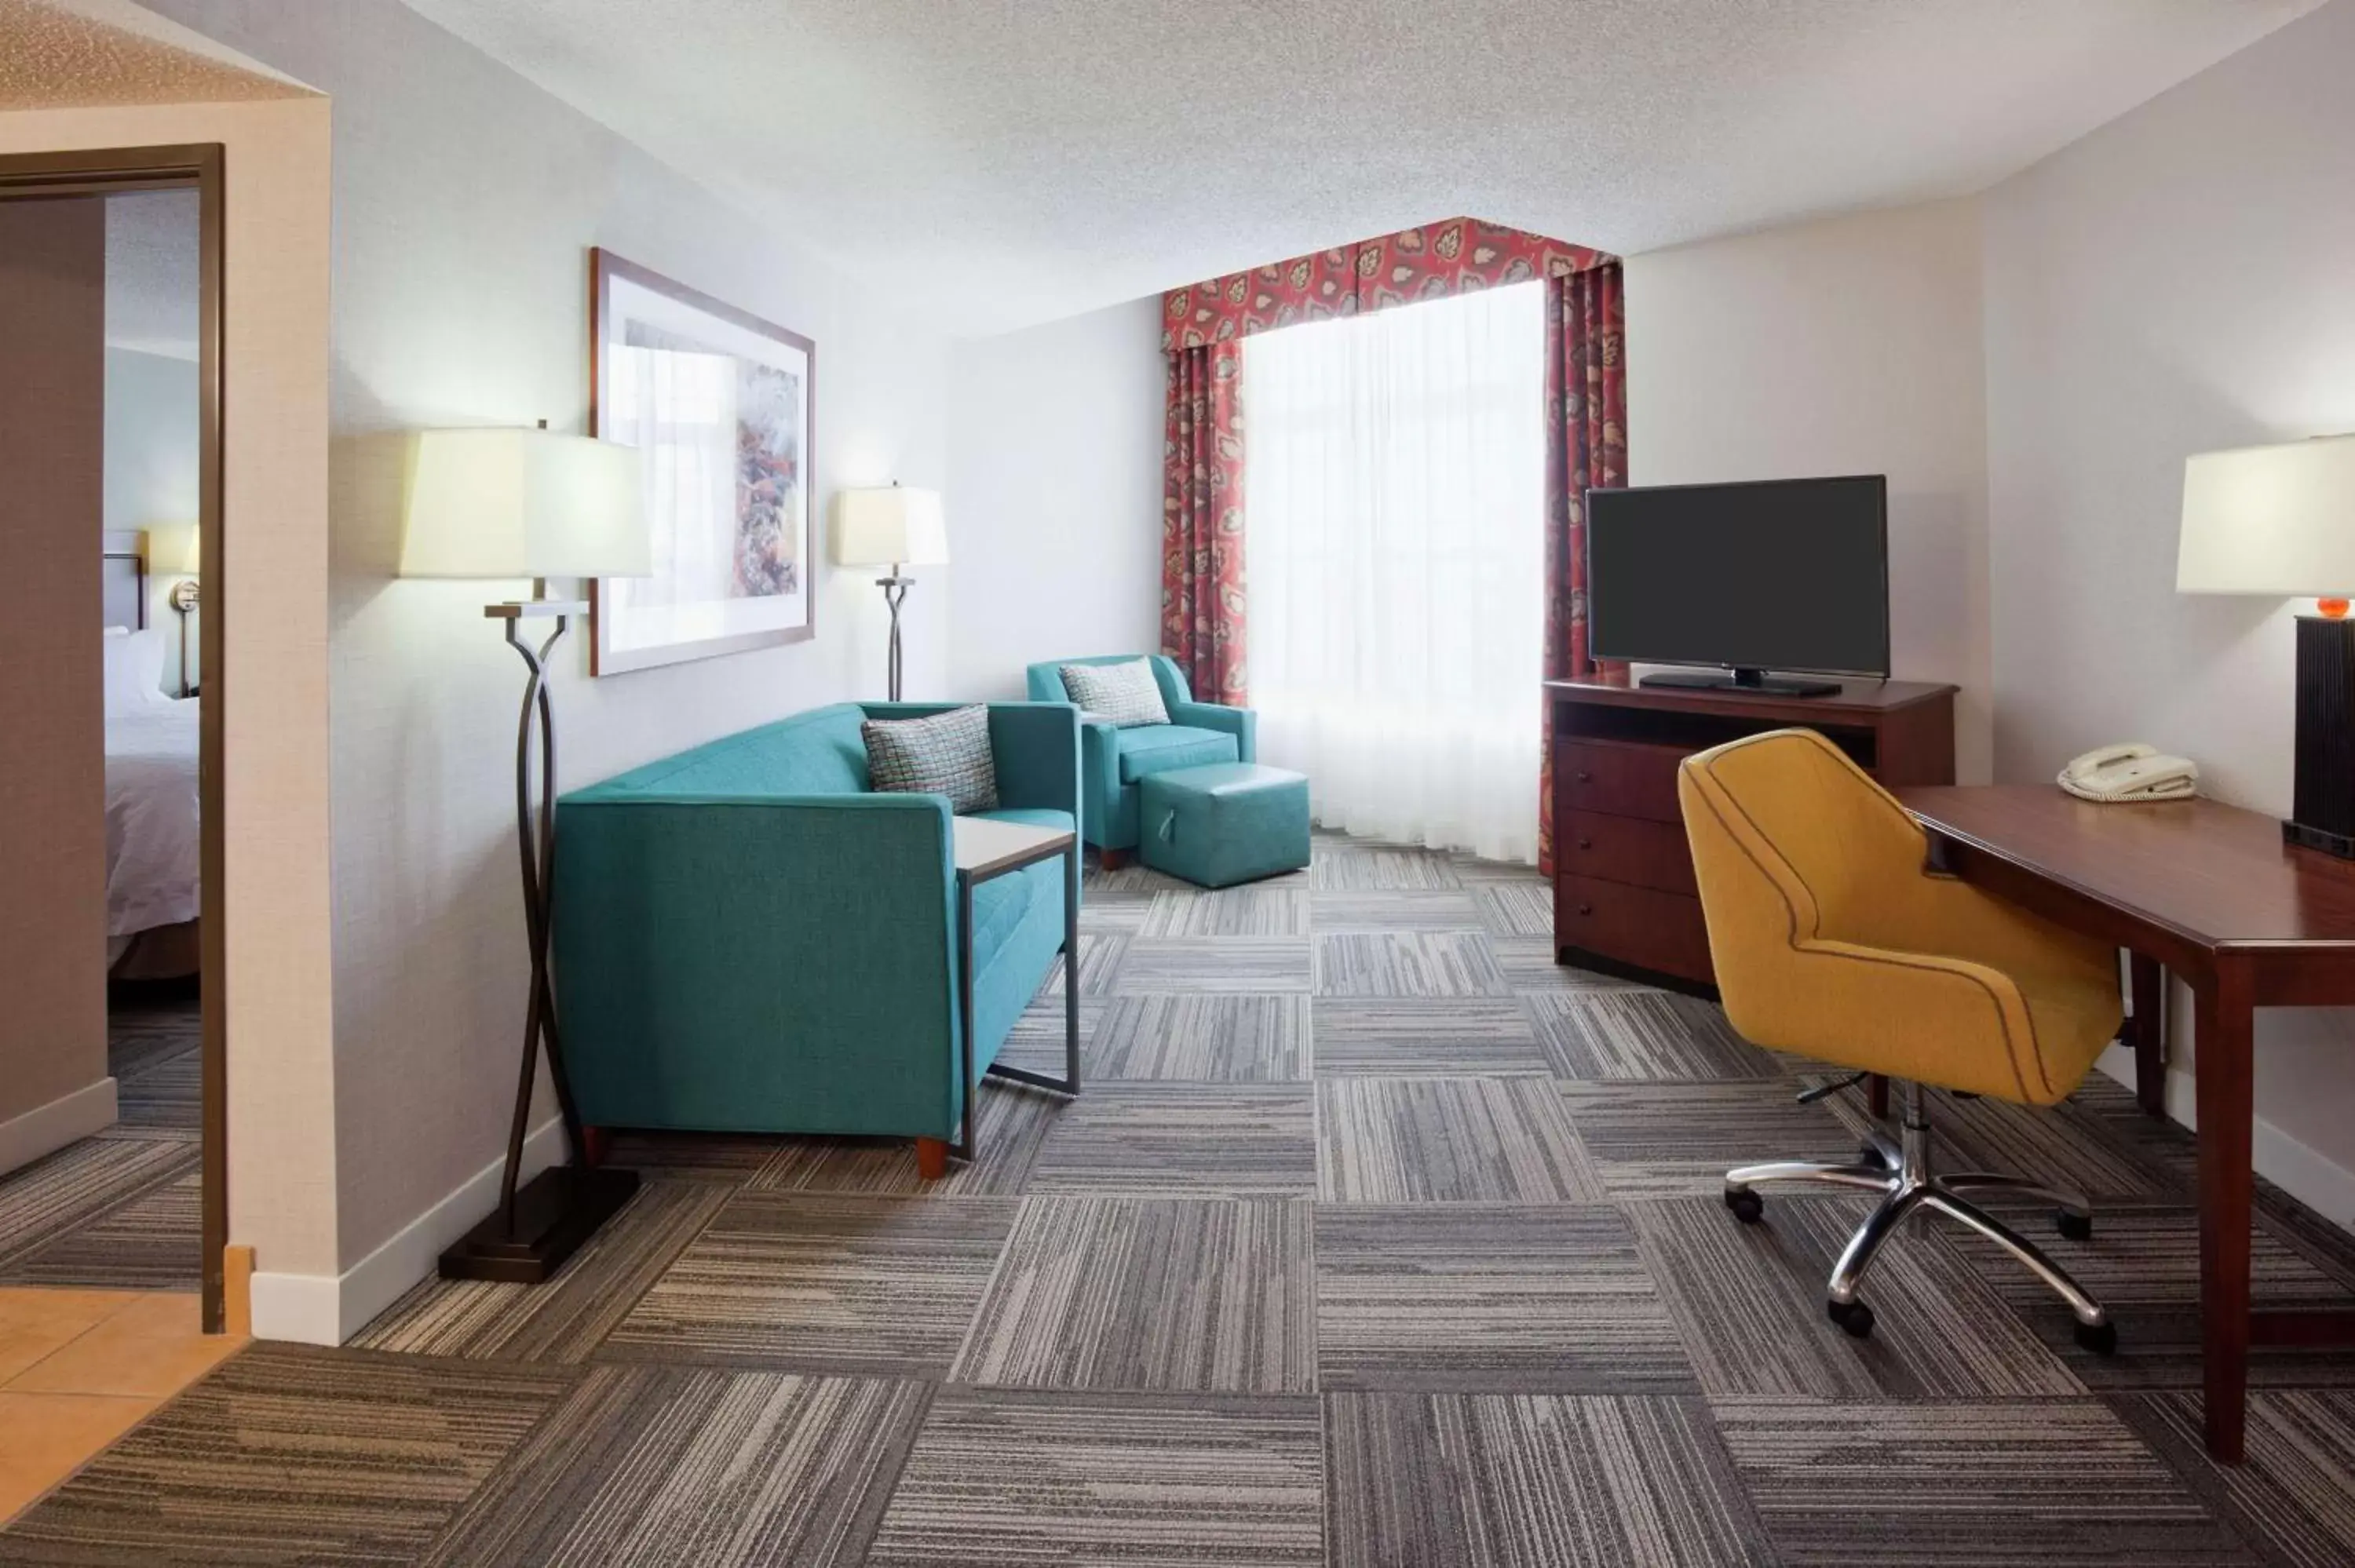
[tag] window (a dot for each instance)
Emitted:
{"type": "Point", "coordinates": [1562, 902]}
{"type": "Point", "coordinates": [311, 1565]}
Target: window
{"type": "Point", "coordinates": [1395, 549]}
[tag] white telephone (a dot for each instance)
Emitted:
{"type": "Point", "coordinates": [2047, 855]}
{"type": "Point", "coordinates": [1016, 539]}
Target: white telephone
{"type": "Point", "coordinates": [2130, 772]}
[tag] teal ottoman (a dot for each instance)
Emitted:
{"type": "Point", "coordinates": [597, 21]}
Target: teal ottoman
{"type": "Point", "coordinates": [1223, 823]}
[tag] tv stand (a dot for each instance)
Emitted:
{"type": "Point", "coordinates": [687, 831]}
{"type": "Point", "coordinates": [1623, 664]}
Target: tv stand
{"type": "Point", "coordinates": [1625, 897]}
{"type": "Point", "coordinates": [1743, 679]}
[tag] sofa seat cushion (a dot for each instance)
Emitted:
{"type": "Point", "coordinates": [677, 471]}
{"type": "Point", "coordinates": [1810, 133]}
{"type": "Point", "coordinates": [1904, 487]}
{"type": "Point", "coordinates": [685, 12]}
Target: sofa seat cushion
{"type": "Point", "coordinates": [1157, 747]}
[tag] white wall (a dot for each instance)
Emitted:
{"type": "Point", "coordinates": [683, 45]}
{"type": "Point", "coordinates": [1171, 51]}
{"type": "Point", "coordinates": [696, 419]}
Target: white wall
{"type": "Point", "coordinates": [1846, 347]}
{"type": "Point", "coordinates": [2177, 281]}
{"type": "Point", "coordinates": [1054, 497]}
{"type": "Point", "coordinates": [151, 469]}
{"type": "Point", "coordinates": [466, 201]}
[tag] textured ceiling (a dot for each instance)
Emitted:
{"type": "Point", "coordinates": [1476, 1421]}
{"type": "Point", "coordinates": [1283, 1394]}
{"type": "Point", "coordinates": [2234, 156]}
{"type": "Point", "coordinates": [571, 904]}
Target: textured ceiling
{"type": "Point", "coordinates": [91, 54]}
{"type": "Point", "coordinates": [151, 273]}
{"type": "Point", "coordinates": [1010, 161]}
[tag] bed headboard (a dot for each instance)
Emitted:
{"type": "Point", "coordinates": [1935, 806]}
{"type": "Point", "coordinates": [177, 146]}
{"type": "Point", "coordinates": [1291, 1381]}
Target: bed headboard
{"type": "Point", "coordinates": [123, 561]}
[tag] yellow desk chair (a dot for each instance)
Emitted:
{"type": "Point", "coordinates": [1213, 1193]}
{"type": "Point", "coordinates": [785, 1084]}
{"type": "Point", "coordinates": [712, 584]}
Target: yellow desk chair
{"type": "Point", "coordinates": [1831, 938]}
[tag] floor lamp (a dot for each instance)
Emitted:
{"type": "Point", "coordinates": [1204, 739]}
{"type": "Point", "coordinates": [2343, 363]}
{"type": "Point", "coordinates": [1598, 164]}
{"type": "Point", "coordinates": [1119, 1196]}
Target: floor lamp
{"type": "Point", "coordinates": [508, 504]}
{"type": "Point", "coordinates": [894, 526]}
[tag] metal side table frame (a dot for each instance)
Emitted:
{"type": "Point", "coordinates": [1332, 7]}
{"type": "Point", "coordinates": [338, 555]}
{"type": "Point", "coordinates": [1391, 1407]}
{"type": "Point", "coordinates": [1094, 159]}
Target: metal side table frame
{"type": "Point", "coordinates": [988, 850]}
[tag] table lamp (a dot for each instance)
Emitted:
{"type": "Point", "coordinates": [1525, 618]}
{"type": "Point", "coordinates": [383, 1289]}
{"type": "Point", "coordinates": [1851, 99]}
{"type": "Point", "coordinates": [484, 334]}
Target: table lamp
{"type": "Point", "coordinates": [507, 504]}
{"type": "Point", "coordinates": [174, 550]}
{"type": "Point", "coordinates": [892, 527]}
{"type": "Point", "coordinates": [2280, 520]}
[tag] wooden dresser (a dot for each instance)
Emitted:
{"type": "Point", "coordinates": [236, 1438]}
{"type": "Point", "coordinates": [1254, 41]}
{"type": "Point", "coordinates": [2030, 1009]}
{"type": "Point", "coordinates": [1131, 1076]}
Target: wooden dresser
{"type": "Point", "coordinates": [1623, 894]}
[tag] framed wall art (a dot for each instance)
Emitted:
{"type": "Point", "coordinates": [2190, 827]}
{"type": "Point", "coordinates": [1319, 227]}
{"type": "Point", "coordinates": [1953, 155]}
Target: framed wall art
{"type": "Point", "coordinates": [723, 405]}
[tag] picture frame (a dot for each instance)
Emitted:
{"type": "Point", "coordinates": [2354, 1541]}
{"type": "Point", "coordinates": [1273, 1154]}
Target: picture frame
{"type": "Point", "coordinates": [725, 405]}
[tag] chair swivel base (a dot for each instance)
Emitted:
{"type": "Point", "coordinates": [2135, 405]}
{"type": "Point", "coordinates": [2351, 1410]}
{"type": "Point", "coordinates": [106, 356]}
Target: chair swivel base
{"type": "Point", "coordinates": [1900, 1171]}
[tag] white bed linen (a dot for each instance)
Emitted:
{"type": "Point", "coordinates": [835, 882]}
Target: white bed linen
{"type": "Point", "coordinates": [152, 843]}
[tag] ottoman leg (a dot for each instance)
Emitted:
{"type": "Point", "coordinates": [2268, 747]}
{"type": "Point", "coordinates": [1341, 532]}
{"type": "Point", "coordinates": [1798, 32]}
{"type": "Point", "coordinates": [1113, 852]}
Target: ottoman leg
{"type": "Point", "coordinates": [1112, 859]}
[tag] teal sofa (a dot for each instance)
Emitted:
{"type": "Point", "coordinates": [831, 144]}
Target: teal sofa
{"type": "Point", "coordinates": [748, 939]}
{"type": "Point", "coordinates": [1113, 759]}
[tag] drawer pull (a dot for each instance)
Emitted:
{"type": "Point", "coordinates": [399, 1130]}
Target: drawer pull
{"type": "Point", "coordinates": [1586, 843]}
{"type": "Point", "coordinates": [1586, 909]}
{"type": "Point", "coordinates": [1584, 777]}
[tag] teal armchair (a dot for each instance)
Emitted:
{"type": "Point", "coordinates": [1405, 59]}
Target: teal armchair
{"type": "Point", "coordinates": [1113, 759]}
{"type": "Point", "coordinates": [746, 937]}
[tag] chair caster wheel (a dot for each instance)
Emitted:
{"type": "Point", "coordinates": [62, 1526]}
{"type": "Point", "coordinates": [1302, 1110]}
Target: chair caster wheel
{"type": "Point", "coordinates": [2075, 1228]}
{"type": "Point", "coordinates": [1856, 1318]}
{"type": "Point", "coordinates": [1747, 1206]}
{"type": "Point", "coordinates": [2103, 1340]}
{"type": "Point", "coordinates": [1870, 1155]}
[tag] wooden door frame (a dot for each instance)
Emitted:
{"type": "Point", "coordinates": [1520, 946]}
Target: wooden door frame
{"type": "Point", "coordinates": [199, 166]}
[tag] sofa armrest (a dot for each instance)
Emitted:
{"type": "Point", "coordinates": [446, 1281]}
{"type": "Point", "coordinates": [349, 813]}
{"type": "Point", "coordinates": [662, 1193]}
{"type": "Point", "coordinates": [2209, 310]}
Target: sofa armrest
{"type": "Point", "coordinates": [809, 939]}
{"type": "Point", "coordinates": [1240, 723]}
{"type": "Point", "coordinates": [1037, 750]}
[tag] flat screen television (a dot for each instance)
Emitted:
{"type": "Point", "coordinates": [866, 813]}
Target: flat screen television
{"type": "Point", "coordinates": [1789, 575]}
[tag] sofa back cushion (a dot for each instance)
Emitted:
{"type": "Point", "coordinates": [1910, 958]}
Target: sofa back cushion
{"type": "Point", "coordinates": [815, 753]}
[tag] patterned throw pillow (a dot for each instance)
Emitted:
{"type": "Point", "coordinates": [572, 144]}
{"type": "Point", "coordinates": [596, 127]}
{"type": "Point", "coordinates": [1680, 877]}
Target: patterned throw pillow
{"type": "Point", "coordinates": [947, 753]}
{"type": "Point", "coordinates": [1122, 694]}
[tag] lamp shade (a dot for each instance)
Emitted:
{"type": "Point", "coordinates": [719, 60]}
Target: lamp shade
{"type": "Point", "coordinates": [2270, 520]}
{"type": "Point", "coordinates": [173, 550]}
{"type": "Point", "coordinates": [894, 525]}
{"type": "Point", "coordinates": [498, 503]}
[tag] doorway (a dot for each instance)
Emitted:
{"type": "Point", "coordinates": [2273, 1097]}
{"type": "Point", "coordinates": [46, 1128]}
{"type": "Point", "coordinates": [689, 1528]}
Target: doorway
{"type": "Point", "coordinates": [161, 587]}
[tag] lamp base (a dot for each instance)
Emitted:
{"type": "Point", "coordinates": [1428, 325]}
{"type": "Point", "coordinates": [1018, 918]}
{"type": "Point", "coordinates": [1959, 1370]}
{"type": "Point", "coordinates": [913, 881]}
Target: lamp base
{"type": "Point", "coordinates": [2322, 790]}
{"type": "Point", "coordinates": [556, 1211]}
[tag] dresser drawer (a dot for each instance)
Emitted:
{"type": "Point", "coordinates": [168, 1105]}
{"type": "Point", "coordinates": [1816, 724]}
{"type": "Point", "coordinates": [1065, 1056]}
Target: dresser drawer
{"type": "Point", "coordinates": [1618, 778]}
{"type": "Point", "coordinates": [1633, 850]}
{"type": "Point", "coordinates": [1639, 926]}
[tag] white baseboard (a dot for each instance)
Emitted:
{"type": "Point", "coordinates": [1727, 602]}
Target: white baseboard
{"type": "Point", "coordinates": [328, 1309]}
{"type": "Point", "coordinates": [2305, 1172]}
{"type": "Point", "coordinates": [47, 1128]}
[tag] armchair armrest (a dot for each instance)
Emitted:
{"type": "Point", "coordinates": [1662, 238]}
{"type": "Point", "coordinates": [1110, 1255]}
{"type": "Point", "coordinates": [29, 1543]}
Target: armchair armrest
{"type": "Point", "coordinates": [1240, 723]}
{"type": "Point", "coordinates": [1099, 760]}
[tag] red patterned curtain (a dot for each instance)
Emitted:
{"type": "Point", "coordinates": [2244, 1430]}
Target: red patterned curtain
{"type": "Point", "coordinates": [1586, 448]}
{"type": "Point", "coordinates": [1203, 329]}
{"type": "Point", "coordinates": [1202, 522]}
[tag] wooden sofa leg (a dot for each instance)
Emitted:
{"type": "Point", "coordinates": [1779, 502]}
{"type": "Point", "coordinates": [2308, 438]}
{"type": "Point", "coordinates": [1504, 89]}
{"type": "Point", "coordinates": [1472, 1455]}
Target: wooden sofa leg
{"type": "Point", "coordinates": [931, 1157]}
{"type": "Point", "coordinates": [1112, 859]}
{"type": "Point", "coordinates": [592, 1145]}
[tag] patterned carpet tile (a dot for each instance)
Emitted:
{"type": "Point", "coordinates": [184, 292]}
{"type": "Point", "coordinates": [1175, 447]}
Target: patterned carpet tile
{"type": "Point", "coordinates": [1116, 913]}
{"type": "Point", "coordinates": [1251, 911]}
{"type": "Point", "coordinates": [1232, 966]}
{"type": "Point", "coordinates": [1468, 1298]}
{"type": "Point", "coordinates": [1425, 1037]}
{"type": "Point", "coordinates": [59, 1193]}
{"type": "Point", "coordinates": [150, 1241]}
{"type": "Point", "coordinates": [1643, 1034]}
{"type": "Point", "coordinates": [165, 1097]}
{"type": "Point", "coordinates": [1349, 866]}
{"type": "Point", "coordinates": [731, 1157]}
{"type": "Point", "coordinates": [1005, 1478]}
{"type": "Point", "coordinates": [1210, 1296]}
{"type": "Point", "coordinates": [1524, 1482]}
{"type": "Point", "coordinates": [1408, 964]}
{"type": "Point", "coordinates": [1749, 1301]}
{"type": "Point", "coordinates": [1350, 909]}
{"type": "Point", "coordinates": [688, 1468]}
{"type": "Point", "coordinates": [1036, 1037]}
{"type": "Point", "coordinates": [2061, 1144]}
{"type": "Point", "coordinates": [565, 1318]}
{"type": "Point", "coordinates": [2003, 1481]}
{"type": "Point", "coordinates": [1200, 1039]}
{"type": "Point", "coordinates": [1100, 960]}
{"type": "Point", "coordinates": [1012, 1121]}
{"type": "Point", "coordinates": [1677, 1141]}
{"type": "Point", "coordinates": [1437, 1141]}
{"type": "Point", "coordinates": [290, 1454]}
{"type": "Point", "coordinates": [140, 1034]}
{"type": "Point", "coordinates": [2292, 1499]}
{"type": "Point", "coordinates": [1204, 1141]}
{"type": "Point", "coordinates": [801, 1282]}
{"type": "Point", "coordinates": [1131, 880]}
{"type": "Point", "coordinates": [1529, 965]}
{"type": "Point", "coordinates": [1517, 908]}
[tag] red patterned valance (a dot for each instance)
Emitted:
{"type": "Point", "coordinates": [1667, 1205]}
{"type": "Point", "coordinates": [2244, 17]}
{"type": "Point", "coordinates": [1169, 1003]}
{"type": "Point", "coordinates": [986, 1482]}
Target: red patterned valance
{"type": "Point", "coordinates": [1426, 263]}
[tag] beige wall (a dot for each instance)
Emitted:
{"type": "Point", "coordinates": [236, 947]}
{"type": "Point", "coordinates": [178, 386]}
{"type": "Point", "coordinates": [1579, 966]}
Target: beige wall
{"type": "Point", "coordinates": [1850, 345]}
{"type": "Point", "coordinates": [279, 998]}
{"type": "Point", "coordinates": [52, 745]}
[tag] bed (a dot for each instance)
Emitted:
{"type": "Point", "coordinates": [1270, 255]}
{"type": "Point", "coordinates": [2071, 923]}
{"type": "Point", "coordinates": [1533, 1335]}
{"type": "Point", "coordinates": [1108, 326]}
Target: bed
{"type": "Point", "coordinates": [153, 846]}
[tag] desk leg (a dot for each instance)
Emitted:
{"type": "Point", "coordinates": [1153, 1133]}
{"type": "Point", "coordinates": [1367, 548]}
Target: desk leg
{"type": "Point", "coordinates": [2148, 1026]}
{"type": "Point", "coordinates": [2223, 1067]}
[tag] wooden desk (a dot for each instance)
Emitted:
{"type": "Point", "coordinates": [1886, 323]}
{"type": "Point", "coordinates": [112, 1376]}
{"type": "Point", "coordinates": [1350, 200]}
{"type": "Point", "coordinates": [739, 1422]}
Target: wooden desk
{"type": "Point", "coordinates": [2211, 891]}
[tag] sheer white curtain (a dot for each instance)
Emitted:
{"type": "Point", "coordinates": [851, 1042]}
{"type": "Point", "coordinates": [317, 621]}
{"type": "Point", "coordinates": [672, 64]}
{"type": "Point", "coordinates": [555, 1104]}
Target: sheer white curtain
{"type": "Point", "coordinates": [1394, 488]}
